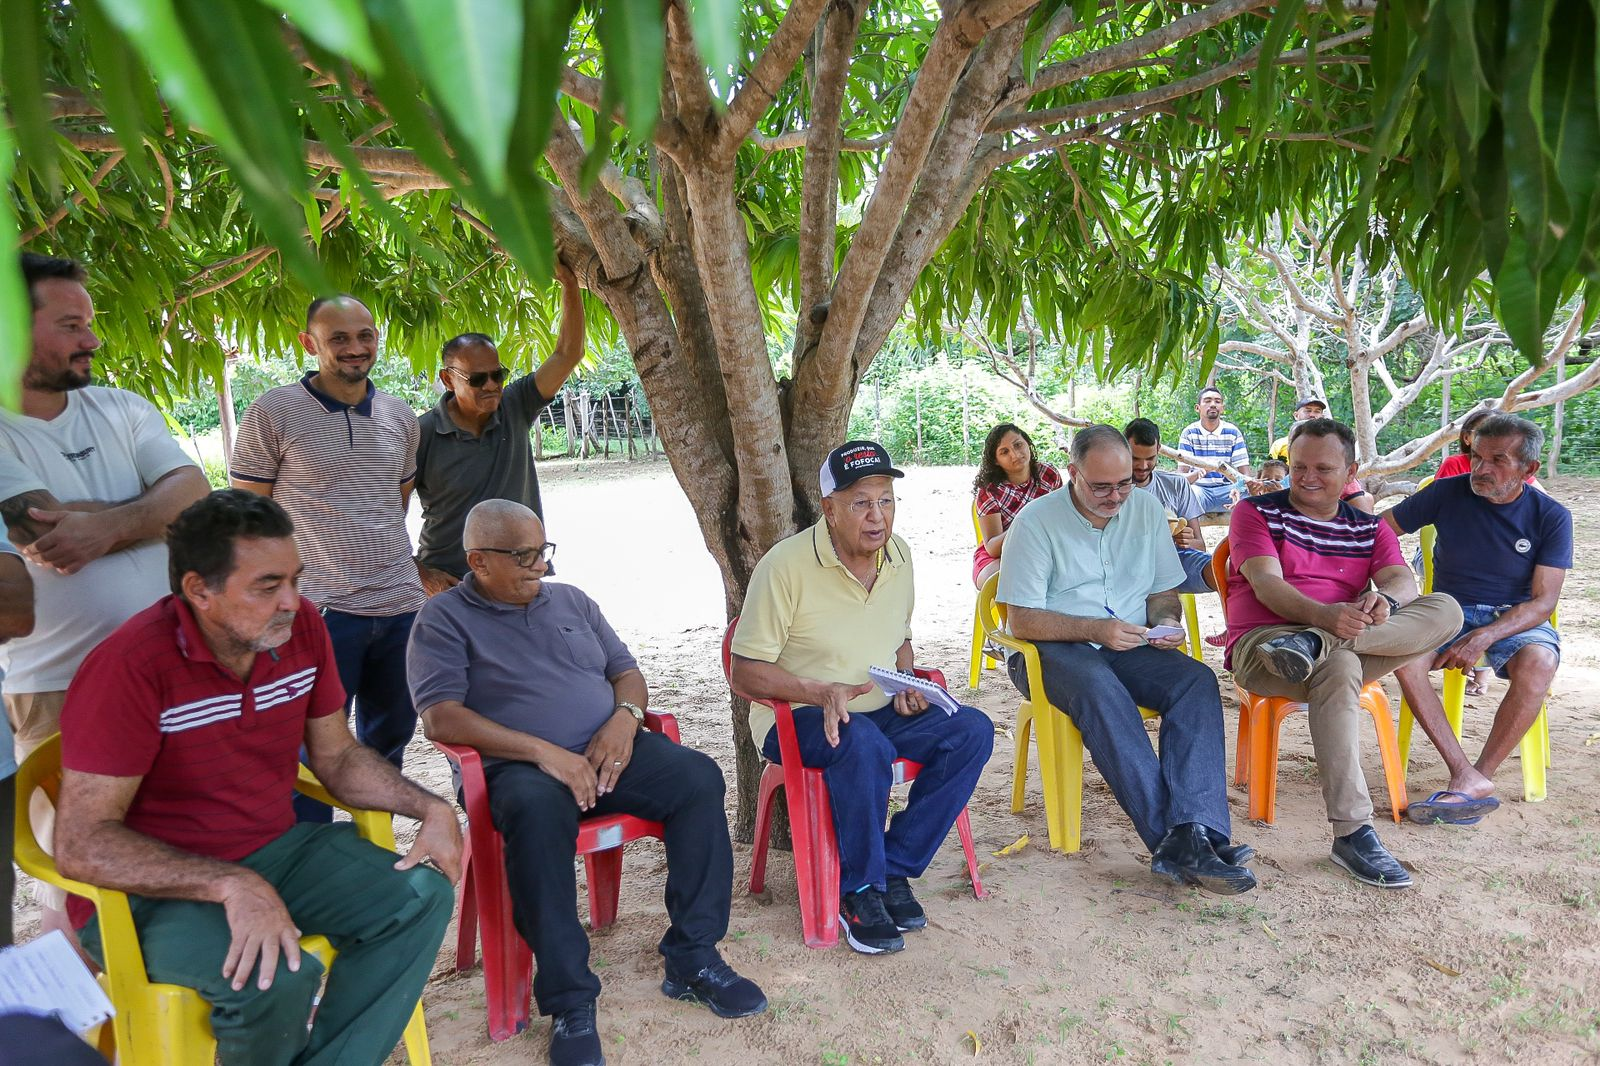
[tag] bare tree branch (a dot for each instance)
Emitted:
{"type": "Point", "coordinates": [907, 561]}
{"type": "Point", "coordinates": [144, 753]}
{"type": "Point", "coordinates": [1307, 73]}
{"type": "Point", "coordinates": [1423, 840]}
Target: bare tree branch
{"type": "Point", "coordinates": [772, 66]}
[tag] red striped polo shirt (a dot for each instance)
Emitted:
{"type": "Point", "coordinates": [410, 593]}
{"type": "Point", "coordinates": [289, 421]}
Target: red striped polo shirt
{"type": "Point", "coordinates": [217, 756]}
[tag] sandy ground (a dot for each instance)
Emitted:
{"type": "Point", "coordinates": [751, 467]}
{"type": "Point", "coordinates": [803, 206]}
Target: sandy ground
{"type": "Point", "coordinates": [1494, 956]}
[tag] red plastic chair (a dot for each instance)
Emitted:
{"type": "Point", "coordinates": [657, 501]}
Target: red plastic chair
{"type": "Point", "coordinates": [484, 906]}
{"type": "Point", "coordinates": [816, 847]}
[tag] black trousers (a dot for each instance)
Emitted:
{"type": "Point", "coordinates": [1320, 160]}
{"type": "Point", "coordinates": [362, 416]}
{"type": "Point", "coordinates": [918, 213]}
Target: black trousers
{"type": "Point", "coordinates": [8, 874]}
{"type": "Point", "coordinates": [538, 817]}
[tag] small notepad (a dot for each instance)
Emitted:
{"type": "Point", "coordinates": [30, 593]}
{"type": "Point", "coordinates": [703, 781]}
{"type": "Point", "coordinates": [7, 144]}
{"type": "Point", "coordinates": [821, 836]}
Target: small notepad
{"type": "Point", "coordinates": [893, 682]}
{"type": "Point", "coordinates": [45, 976]}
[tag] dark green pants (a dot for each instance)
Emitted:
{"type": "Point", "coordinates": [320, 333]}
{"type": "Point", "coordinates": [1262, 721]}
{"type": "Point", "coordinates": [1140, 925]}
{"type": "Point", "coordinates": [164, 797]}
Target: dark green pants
{"type": "Point", "coordinates": [385, 924]}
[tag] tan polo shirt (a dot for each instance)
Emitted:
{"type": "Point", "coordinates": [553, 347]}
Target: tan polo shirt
{"type": "Point", "coordinates": [809, 615]}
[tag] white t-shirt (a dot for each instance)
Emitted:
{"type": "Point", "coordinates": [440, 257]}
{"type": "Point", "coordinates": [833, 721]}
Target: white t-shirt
{"type": "Point", "coordinates": [109, 446]}
{"type": "Point", "coordinates": [8, 762]}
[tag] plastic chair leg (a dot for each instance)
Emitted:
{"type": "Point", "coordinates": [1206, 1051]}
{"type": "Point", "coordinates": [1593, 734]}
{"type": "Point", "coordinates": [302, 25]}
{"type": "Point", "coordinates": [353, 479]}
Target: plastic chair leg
{"type": "Point", "coordinates": [1394, 768]}
{"type": "Point", "coordinates": [416, 1039]}
{"type": "Point", "coordinates": [604, 869]}
{"type": "Point", "coordinates": [507, 960]}
{"type": "Point", "coordinates": [771, 781]}
{"type": "Point", "coordinates": [1241, 754]}
{"type": "Point", "coordinates": [1019, 768]}
{"type": "Point", "coordinates": [1535, 759]}
{"type": "Point", "coordinates": [1455, 697]}
{"type": "Point", "coordinates": [1069, 783]}
{"type": "Point", "coordinates": [979, 660]}
{"type": "Point", "coordinates": [1191, 620]}
{"type": "Point", "coordinates": [964, 830]}
{"type": "Point", "coordinates": [816, 862]}
{"type": "Point", "coordinates": [467, 913]}
{"type": "Point", "coordinates": [1544, 733]}
{"type": "Point", "coordinates": [1406, 722]}
{"type": "Point", "coordinates": [1264, 724]}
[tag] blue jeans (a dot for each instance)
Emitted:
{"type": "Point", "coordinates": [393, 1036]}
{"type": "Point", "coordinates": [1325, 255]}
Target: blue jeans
{"type": "Point", "coordinates": [1196, 565]}
{"type": "Point", "coordinates": [952, 749]}
{"type": "Point", "coordinates": [1214, 495]}
{"type": "Point", "coordinates": [1478, 615]}
{"type": "Point", "coordinates": [370, 653]}
{"type": "Point", "coordinates": [1102, 690]}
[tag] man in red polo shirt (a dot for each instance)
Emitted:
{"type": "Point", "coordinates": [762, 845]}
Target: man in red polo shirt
{"type": "Point", "coordinates": [180, 742]}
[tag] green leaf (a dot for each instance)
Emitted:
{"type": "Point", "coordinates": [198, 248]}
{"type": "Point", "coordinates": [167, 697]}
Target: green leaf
{"type": "Point", "coordinates": [634, 39]}
{"type": "Point", "coordinates": [1266, 73]}
{"type": "Point", "coordinates": [469, 51]}
{"type": "Point", "coordinates": [1528, 168]}
{"type": "Point", "coordinates": [716, 25]}
{"type": "Point", "coordinates": [338, 25]}
{"type": "Point", "coordinates": [22, 76]}
{"type": "Point", "coordinates": [122, 80]}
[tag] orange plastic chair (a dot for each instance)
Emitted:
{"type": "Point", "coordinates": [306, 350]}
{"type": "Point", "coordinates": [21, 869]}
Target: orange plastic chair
{"type": "Point", "coordinates": [483, 907]}
{"type": "Point", "coordinates": [811, 832]}
{"type": "Point", "coordinates": [980, 660]}
{"type": "Point", "coordinates": [159, 1024]}
{"type": "Point", "coordinates": [1261, 717]}
{"type": "Point", "coordinates": [1534, 748]}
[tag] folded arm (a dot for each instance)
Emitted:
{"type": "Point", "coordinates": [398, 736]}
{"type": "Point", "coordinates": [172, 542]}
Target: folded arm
{"type": "Point", "coordinates": [69, 536]}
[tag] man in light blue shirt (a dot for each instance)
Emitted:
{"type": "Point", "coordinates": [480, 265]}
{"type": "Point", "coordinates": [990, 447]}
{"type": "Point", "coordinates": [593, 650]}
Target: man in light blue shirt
{"type": "Point", "coordinates": [16, 620]}
{"type": "Point", "coordinates": [1084, 573]}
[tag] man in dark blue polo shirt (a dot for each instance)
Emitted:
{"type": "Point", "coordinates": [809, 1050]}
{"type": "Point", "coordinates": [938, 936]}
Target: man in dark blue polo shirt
{"type": "Point", "coordinates": [473, 445]}
{"type": "Point", "coordinates": [532, 675]}
{"type": "Point", "coordinates": [1503, 551]}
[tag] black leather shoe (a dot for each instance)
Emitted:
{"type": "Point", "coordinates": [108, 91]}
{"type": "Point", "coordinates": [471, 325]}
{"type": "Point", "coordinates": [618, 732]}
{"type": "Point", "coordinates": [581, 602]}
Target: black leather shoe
{"type": "Point", "coordinates": [718, 988]}
{"type": "Point", "coordinates": [1291, 656]}
{"type": "Point", "coordinates": [1236, 854]}
{"type": "Point", "coordinates": [574, 1040]}
{"type": "Point", "coordinates": [1185, 855]}
{"type": "Point", "coordinates": [1368, 861]}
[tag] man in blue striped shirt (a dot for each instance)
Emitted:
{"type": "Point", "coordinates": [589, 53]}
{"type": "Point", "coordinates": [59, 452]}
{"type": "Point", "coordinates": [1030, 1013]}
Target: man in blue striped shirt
{"type": "Point", "coordinates": [1212, 440]}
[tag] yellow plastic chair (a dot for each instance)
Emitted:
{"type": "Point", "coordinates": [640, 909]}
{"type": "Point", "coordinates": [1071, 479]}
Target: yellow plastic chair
{"type": "Point", "coordinates": [1060, 743]}
{"type": "Point", "coordinates": [980, 660]}
{"type": "Point", "coordinates": [157, 1024]}
{"type": "Point", "coordinates": [1534, 749]}
{"type": "Point", "coordinates": [1191, 622]}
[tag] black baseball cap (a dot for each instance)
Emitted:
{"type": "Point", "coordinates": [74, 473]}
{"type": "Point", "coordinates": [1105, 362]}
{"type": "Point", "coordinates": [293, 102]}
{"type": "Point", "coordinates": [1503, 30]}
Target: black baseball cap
{"type": "Point", "coordinates": [854, 460]}
{"type": "Point", "coordinates": [1305, 400]}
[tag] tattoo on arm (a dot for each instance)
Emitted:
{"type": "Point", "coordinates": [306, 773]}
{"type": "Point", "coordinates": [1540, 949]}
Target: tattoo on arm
{"type": "Point", "coordinates": [20, 527]}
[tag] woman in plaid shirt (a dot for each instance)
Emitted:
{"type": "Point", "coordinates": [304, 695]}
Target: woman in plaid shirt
{"type": "Point", "coordinates": [1009, 476]}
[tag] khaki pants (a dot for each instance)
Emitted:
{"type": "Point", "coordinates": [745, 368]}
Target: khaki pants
{"type": "Point", "coordinates": [34, 717]}
{"type": "Point", "coordinates": [1333, 691]}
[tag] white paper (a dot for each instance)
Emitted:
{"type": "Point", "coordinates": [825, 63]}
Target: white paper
{"type": "Point", "coordinates": [1160, 632]}
{"type": "Point", "coordinates": [894, 682]}
{"type": "Point", "coordinates": [45, 976]}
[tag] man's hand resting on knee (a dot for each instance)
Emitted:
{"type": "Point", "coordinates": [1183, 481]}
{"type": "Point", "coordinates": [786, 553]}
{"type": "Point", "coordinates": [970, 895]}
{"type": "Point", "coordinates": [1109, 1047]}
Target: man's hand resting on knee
{"type": "Point", "coordinates": [572, 770]}
{"type": "Point", "coordinates": [261, 926]}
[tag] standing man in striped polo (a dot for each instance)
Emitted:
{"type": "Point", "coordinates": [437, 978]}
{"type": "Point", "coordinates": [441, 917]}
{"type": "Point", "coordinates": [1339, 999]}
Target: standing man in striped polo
{"type": "Point", "coordinates": [1213, 440]}
{"type": "Point", "coordinates": [339, 456]}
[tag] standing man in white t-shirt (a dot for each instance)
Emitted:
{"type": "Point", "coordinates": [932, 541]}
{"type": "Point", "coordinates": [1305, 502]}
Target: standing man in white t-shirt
{"type": "Point", "coordinates": [89, 480]}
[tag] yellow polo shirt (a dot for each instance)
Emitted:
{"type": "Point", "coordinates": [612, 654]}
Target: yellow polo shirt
{"type": "Point", "coordinates": [809, 615]}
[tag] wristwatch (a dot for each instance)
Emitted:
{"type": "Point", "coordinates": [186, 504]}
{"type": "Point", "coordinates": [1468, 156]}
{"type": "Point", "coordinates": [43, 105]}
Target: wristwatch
{"type": "Point", "coordinates": [632, 708]}
{"type": "Point", "coordinates": [1394, 604]}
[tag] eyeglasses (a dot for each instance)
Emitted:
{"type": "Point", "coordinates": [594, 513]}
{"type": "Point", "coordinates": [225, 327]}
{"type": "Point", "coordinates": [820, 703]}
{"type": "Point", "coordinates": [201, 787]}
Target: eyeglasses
{"type": "Point", "coordinates": [527, 558]}
{"type": "Point", "coordinates": [860, 507]}
{"type": "Point", "coordinates": [1102, 489]}
{"type": "Point", "coordinates": [480, 379]}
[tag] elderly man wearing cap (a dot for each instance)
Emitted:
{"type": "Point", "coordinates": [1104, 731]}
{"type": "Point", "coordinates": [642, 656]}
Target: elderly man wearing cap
{"type": "Point", "coordinates": [823, 606]}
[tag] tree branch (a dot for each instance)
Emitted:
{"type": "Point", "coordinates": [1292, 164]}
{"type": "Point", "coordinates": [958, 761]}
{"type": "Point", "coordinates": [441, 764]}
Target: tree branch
{"type": "Point", "coordinates": [771, 68]}
{"type": "Point", "coordinates": [77, 198]}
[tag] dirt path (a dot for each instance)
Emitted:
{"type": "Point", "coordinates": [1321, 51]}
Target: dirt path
{"type": "Point", "coordinates": [1493, 957]}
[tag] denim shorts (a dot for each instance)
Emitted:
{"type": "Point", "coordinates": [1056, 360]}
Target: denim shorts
{"type": "Point", "coordinates": [1478, 615]}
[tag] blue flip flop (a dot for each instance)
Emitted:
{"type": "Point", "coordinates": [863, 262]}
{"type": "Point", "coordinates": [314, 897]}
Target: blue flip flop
{"type": "Point", "coordinates": [1451, 808]}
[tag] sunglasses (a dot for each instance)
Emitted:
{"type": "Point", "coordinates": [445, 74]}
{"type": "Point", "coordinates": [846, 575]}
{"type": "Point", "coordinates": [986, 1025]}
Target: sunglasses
{"type": "Point", "coordinates": [481, 378]}
{"type": "Point", "coordinates": [527, 558]}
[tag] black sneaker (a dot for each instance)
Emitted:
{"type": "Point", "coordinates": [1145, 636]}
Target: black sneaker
{"type": "Point", "coordinates": [573, 1038]}
{"type": "Point", "coordinates": [903, 906]}
{"type": "Point", "coordinates": [867, 924]}
{"type": "Point", "coordinates": [718, 988]}
{"type": "Point", "coordinates": [1368, 861]}
{"type": "Point", "coordinates": [1292, 655]}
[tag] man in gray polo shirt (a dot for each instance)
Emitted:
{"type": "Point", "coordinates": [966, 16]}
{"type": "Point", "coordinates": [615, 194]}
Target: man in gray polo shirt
{"type": "Point", "coordinates": [532, 675]}
{"type": "Point", "coordinates": [473, 445]}
{"type": "Point", "coordinates": [1177, 497]}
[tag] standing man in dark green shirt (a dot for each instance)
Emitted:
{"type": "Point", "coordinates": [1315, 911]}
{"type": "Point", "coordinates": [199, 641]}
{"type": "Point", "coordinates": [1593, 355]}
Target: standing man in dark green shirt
{"type": "Point", "coordinates": [474, 446]}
